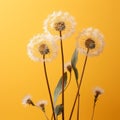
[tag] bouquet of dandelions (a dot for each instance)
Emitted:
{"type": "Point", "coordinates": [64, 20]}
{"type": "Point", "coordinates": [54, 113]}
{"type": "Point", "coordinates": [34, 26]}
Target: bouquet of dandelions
{"type": "Point", "coordinates": [43, 48]}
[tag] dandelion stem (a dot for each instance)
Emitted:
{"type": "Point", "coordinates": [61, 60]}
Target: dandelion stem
{"type": "Point", "coordinates": [62, 56]}
{"type": "Point", "coordinates": [46, 116]}
{"type": "Point", "coordinates": [92, 117]}
{"type": "Point", "coordinates": [78, 107]}
{"type": "Point", "coordinates": [52, 117]}
{"type": "Point", "coordinates": [79, 86]}
{"type": "Point", "coordinates": [48, 87]}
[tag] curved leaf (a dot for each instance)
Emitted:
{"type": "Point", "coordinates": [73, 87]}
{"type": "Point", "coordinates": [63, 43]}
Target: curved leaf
{"type": "Point", "coordinates": [58, 88]}
{"type": "Point", "coordinates": [74, 57]}
{"type": "Point", "coordinates": [74, 60]}
{"type": "Point", "coordinates": [76, 73]}
{"type": "Point", "coordinates": [58, 109]}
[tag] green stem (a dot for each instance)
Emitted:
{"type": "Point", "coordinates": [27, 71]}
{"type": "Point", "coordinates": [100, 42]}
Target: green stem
{"type": "Point", "coordinates": [62, 56]}
{"type": "Point", "coordinates": [79, 86]}
{"type": "Point", "coordinates": [48, 87]}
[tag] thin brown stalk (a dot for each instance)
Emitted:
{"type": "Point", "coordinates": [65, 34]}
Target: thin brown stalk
{"type": "Point", "coordinates": [46, 116]}
{"type": "Point", "coordinates": [48, 86]}
{"type": "Point", "coordinates": [78, 107]}
{"type": "Point", "coordinates": [52, 117]}
{"type": "Point", "coordinates": [62, 56]}
{"type": "Point", "coordinates": [79, 86]}
{"type": "Point", "coordinates": [92, 117]}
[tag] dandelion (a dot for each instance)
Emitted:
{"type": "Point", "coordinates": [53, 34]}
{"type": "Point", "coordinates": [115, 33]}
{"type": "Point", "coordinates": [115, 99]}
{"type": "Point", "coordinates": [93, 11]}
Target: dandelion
{"type": "Point", "coordinates": [27, 100]}
{"type": "Point", "coordinates": [68, 67]}
{"type": "Point", "coordinates": [41, 104]}
{"type": "Point", "coordinates": [60, 22]}
{"type": "Point", "coordinates": [41, 45]}
{"type": "Point", "coordinates": [91, 39]}
{"type": "Point", "coordinates": [97, 91]}
{"type": "Point", "coordinates": [89, 42]}
{"type": "Point", "coordinates": [43, 48]}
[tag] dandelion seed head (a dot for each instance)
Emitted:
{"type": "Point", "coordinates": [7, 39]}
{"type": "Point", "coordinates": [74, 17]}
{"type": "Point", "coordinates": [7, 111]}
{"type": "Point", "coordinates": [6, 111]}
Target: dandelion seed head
{"type": "Point", "coordinates": [40, 45]}
{"type": "Point", "coordinates": [59, 21]}
{"type": "Point", "coordinates": [91, 39]}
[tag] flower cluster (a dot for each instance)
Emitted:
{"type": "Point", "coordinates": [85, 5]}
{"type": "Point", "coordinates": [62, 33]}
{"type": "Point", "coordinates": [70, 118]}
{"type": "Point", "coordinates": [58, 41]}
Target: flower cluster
{"type": "Point", "coordinates": [27, 100]}
{"type": "Point", "coordinates": [43, 48]}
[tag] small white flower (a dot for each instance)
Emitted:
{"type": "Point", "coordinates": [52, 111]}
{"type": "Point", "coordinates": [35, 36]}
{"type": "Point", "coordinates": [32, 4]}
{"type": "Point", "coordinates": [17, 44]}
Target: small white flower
{"type": "Point", "coordinates": [41, 45]}
{"type": "Point", "coordinates": [91, 39]}
{"type": "Point", "coordinates": [59, 21]}
{"type": "Point", "coordinates": [68, 66]}
{"type": "Point", "coordinates": [98, 91]}
{"type": "Point", "coordinates": [27, 100]}
{"type": "Point", "coordinates": [41, 104]}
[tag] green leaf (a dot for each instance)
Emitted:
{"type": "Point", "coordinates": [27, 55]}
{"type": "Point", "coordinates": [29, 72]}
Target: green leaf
{"type": "Point", "coordinates": [76, 73]}
{"type": "Point", "coordinates": [74, 60]}
{"type": "Point", "coordinates": [58, 88]}
{"type": "Point", "coordinates": [58, 109]}
{"type": "Point", "coordinates": [74, 57]}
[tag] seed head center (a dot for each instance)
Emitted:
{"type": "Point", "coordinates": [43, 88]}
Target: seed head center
{"type": "Point", "coordinates": [59, 26]}
{"type": "Point", "coordinates": [89, 43]}
{"type": "Point", "coordinates": [43, 49]}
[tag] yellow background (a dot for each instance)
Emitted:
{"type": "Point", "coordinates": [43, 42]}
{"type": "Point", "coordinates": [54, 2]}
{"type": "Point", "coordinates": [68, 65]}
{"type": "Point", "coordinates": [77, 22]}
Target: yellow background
{"type": "Point", "coordinates": [20, 20]}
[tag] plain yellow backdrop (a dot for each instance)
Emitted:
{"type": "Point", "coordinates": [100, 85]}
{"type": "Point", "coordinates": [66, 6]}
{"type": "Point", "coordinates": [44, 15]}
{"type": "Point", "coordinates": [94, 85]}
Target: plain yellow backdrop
{"type": "Point", "coordinates": [20, 20]}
